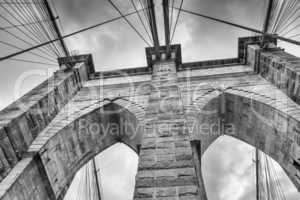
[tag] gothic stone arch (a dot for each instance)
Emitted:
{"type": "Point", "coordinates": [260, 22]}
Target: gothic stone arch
{"type": "Point", "coordinates": [71, 145]}
{"type": "Point", "coordinates": [267, 119]}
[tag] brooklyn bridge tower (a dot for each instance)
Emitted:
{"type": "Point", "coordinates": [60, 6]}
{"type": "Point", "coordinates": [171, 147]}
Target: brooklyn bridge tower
{"type": "Point", "coordinates": [169, 112]}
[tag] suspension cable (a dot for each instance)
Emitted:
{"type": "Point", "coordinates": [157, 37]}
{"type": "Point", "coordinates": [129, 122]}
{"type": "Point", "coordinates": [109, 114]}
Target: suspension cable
{"type": "Point", "coordinates": [285, 17]}
{"type": "Point", "coordinates": [20, 30]}
{"type": "Point", "coordinates": [271, 182]}
{"type": "Point", "coordinates": [19, 48]}
{"type": "Point", "coordinates": [21, 3]}
{"type": "Point", "coordinates": [146, 17]}
{"type": "Point", "coordinates": [129, 23]}
{"type": "Point", "coordinates": [21, 39]}
{"type": "Point", "coordinates": [55, 27]}
{"type": "Point", "coordinates": [177, 18]}
{"type": "Point", "coordinates": [34, 12]}
{"type": "Point", "coordinates": [296, 35]}
{"type": "Point", "coordinates": [152, 21]}
{"type": "Point", "coordinates": [291, 29]}
{"type": "Point", "coordinates": [66, 36]}
{"type": "Point", "coordinates": [30, 14]}
{"type": "Point", "coordinates": [49, 31]}
{"type": "Point", "coordinates": [172, 11]}
{"type": "Point", "coordinates": [290, 19]}
{"type": "Point", "coordinates": [140, 18]}
{"type": "Point", "coordinates": [57, 14]}
{"type": "Point", "coordinates": [278, 185]}
{"type": "Point", "coordinates": [26, 24]}
{"type": "Point", "coordinates": [242, 27]}
{"type": "Point", "coordinates": [287, 10]}
{"type": "Point", "coordinates": [29, 32]}
{"type": "Point", "coordinates": [146, 14]}
{"type": "Point", "coordinates": [30, 61]}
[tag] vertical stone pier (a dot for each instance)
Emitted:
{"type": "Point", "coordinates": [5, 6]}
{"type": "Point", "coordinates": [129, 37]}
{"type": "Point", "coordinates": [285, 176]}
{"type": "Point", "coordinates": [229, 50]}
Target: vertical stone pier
{"type": "Point", "coordinates": [168, 165]}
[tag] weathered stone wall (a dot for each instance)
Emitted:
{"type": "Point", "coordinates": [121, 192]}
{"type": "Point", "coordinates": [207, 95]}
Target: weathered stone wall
{"type": "Point", "coordinates": [166, 167]}
{"type": "Point", "coordinates": [278, 67]}
{"type": "Point", "coordinates": [26, 181]}
{"type": "Point", "coordinates": [23, 120]}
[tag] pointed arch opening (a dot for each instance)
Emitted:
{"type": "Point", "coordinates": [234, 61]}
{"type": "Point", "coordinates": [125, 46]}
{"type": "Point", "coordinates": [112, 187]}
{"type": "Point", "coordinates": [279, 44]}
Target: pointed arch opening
{"type": "Point", "coordinates": [258, 120]}
{"type": "Point", "coordinates": [115, 168]}
{"type": "Point", "coordinates": [229, 177]}
{"type": "Point", "coordinates": [94, 132]}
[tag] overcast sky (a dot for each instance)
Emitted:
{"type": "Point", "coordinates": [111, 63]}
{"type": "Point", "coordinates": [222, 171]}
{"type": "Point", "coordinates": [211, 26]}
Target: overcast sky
{"type": "Point", "coordinates": [116, 45]}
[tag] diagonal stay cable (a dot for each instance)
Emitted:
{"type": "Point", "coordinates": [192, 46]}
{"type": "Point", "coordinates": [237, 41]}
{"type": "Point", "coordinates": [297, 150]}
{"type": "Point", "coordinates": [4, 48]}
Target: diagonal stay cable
{"type": "Point", "coordinates": [273, 11]}
{"type": "Point", "coordinates": [129, 23]}
{"type": "Point", "coordinates": [241, 26]}
{"type": "Point", "coordinates": [294, 17]}
{"type": "Point", "coordinates": [33, 62]}
{"type": "Point", "coordinates": [274, 15]}
{"type": "Point", "coordinates": [146, 16]}
{"type": "Point", "coordinates": [288, 31]}
{"type": "Point", "coordinates": [171, 20]}
{"type": "Point", "coordinates": [287, 13]}
{"type": "Point", "coordinates": [28, 31]}
{"type": "Point", "coordinates": [68, 35]}
{"type": "Point", "coordinates": [47, 28]}
{"type": "Point", "coordinates": [23, 32]}
{"type": "Point", "coordinates": [30, 16]}
{"type": "Point", "coordinates": [296, 35]}
{"type": "Point", "coordinates": [35, 15]}
{"type": "Point", "coordinates": [282, 14]}
{"type": "Point", "coordinates": [177, 18]}
{"type": "Point", "coordinates": [20, 3]}
{"type": "Point", "coordinates": [21, 39]}
{"type": "Point", "coordinates": [26, 24]}
{"type": "Point", "coordinates": [57, 14]}
{"type": "Point", "coordinates": [294, 8]}
{"type": "Point", "coordinates": [278, 15]}
{"type": "Point", "coordinates": [16, 47]}
{"type": "Point", "coordinates": [55, 28]}
{"type": "Point", "coordinates": [142, 4]}
{"type": "Point", "coordinates": [276, 180]}
{"type": "Point", "coordinates": [140, 18]}
{"type": "Point", "coordinates": [290, 26]}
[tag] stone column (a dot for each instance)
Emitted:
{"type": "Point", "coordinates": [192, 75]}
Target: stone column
{"type": "Point", "coordinates": [166, 168]}
{"type": "Point", "coordinates": [196, 149]}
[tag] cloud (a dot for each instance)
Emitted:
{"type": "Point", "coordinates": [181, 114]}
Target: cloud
{"type": "Point", "coordinates": [118, 167]}
{"type": "Point", "coordinates": [227, 176]}
{"type": "Point", "coordinates": [200, 39]}
{"type": "Point", "coordinates": [229, 171]}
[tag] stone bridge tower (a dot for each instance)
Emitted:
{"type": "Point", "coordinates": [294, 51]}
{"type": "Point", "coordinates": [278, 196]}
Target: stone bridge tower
{"type": "Point", "coordinates": [168, 112]}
